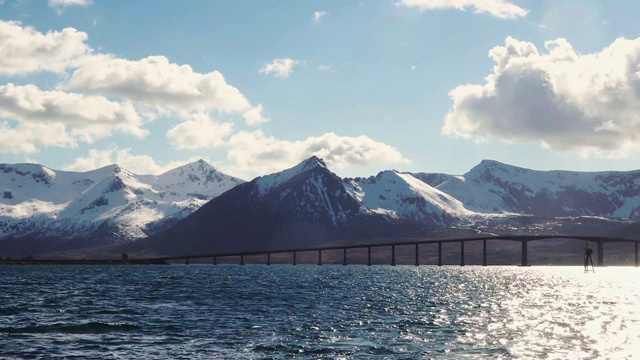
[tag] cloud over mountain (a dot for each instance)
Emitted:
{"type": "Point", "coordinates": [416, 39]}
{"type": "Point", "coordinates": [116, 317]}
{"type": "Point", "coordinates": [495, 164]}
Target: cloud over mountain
{"type": "Point", "coordinates": [76, 116]}
{"type": "Point", "coordinates": [199, 132]}
{"type": "Point", "coordinates": [139, 164]}
{"type": "Point", "coordinates": [570, 102]}
{"type": "Point", "coordinates": [91, 95]}
{"type": "Point", "coordinates": [253, 153]}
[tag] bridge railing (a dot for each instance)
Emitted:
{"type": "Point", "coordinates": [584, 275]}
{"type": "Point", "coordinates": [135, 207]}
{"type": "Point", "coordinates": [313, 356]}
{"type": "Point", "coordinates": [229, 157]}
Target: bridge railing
{"type": "Point", "coordinates": [523, 239]}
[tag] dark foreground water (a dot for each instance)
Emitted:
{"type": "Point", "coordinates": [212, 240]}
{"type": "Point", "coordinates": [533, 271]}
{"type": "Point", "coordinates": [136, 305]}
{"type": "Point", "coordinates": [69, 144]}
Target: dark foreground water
{"type": "Point", "coordinates": [284, 311]}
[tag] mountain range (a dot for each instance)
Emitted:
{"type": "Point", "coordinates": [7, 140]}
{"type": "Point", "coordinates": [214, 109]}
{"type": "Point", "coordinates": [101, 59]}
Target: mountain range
{"type": "Point", "coordinates": [196, 209]}
{"type": "Point", "coordinates": [45, 210]}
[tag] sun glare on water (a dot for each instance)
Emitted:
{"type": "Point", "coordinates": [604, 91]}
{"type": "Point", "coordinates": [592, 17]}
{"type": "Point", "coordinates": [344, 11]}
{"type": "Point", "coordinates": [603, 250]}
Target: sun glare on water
{"type": "Point", "coordinates": [563, 313]}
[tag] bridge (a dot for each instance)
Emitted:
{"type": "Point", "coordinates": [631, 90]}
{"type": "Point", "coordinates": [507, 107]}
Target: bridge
{"type": "Point", "coordinates": [523, 239]}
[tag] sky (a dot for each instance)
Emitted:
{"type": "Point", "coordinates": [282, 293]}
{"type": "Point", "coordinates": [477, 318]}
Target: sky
{"type": "Point", "coordinates": [256, 86]}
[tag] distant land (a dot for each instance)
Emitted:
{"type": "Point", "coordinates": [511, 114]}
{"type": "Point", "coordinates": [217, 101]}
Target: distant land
{"type": "Point", "coordinates": [196, 209]}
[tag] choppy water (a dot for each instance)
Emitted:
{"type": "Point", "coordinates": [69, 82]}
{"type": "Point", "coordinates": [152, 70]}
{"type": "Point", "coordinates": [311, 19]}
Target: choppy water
{"type": "Point", "coordinates": [258, 311]}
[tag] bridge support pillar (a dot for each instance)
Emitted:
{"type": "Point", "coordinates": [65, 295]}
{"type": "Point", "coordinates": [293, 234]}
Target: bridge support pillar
{"type": "Point", "coordinates": [369, 256]}
{"type": "Point", "coordinates": [215, 260]}
{"type": "Point", "coordinates": [241, 259]}
{"type": "Point", "coordinates": [461, 253]}
{"type": "Point", "coordinates": [636, 254]}
{"type": "Point", "coordinates": [344, 256]}
{"type": "Point", "coordinates": [417, 255]}
{"type": "Point", "coordinates": [319, 257]}
{"type": "Point", "coordinates": [393, 255]}
{"type": "Point", "coordinates": [439, 254]}
{"type": "Point", "coordinates": [484, 252]}
{"type": "Point", "coordinates": [294, 259]}
{"type": "Point", "coordinates": [600, 253]}
{"type": "Point", "coordinates": [268, 258]}
{"type": "Point", "coordinates": [525, 256]}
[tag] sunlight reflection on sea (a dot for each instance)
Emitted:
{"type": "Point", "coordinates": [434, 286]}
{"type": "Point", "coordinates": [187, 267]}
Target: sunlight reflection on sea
{"type": "Point", "coordinates": [304, 311]}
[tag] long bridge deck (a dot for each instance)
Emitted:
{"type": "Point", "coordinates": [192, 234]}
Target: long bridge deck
{"type": "Point", "coordinates": [523, 239]}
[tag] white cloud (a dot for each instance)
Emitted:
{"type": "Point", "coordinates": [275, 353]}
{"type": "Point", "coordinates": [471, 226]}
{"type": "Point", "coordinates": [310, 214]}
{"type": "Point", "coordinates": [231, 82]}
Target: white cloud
{"type": "Point", "coordinates": [65, 3]}
{"type": "Point", "coordinates": [24, 50]}
{"type": "Point", "coordinates": [586, 104]}
{"type": "Point", "coordinates": [319, 15]}
{"type": "Point", "coordinates": [498, 8]}
{"type": "Point", "coordinates": [253, 153]}
{"type": "Point", "coordinates": [282, 67]}
{"type": "Point", "coordinates": [199, 132]}
{"type": "Point", "coordinates": [255, 116]}
{"type": "Point", "coordinates": [84, 108]}
{"type": "Point", "coordinates": [157, 82]}
{"type": "Point", "coordinates": [28, 137]}
{"type": "Point", "coordinates": [86, 118]}
{"type": "Point", "coordinates": [138, 164]}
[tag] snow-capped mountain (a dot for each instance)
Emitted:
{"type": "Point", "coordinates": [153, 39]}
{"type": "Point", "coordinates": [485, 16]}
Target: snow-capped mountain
{"type": "Point", "coordinates": [432, 179]}
{"type": "Point", "coordinates": [402, 197]}
{"type": "Point", "coordinates": [306, 205]}
{"type": "Point", "coordinates": [493, 187]}
{"type": "Point", "coordinates": [309, 205]}
{"type": "Point", "coordinates": [105, 205]}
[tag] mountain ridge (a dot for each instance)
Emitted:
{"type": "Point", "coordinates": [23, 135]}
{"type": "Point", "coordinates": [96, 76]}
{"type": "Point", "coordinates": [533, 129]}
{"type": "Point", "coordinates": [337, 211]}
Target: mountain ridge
{"type": "Point", "coordinates": [191, 209]}
{"type": "Point", "coordinates": [40, 204]}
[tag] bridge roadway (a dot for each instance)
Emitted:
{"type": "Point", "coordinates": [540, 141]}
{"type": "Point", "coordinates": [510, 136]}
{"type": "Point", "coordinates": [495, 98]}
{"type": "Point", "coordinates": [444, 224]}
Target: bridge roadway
{"type": "Point", "coordinates": [523, 239]}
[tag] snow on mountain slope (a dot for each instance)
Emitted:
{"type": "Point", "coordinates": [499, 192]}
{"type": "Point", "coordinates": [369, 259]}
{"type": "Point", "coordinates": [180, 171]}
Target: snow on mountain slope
{"type": "Point", "coordinates": [48, 203]}
{"type": "Point", "coordinates": [310, 190]}
{"type": "Point", "coordinates": [431, 179]}
{"type": "Point", "coordinates": [493, 187]}
{"type": "Point", "coordinates": [401, 196]}
{"type": "Point", "coordinates": [268, 182]}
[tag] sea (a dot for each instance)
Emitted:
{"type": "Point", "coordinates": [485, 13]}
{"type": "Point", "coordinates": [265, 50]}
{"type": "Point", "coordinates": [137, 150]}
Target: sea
{"type": "Point", "coordinates": [210, 311]}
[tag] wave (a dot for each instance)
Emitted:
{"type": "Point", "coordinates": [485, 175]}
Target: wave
{"type": "Point", "coordinates": [85, 328]}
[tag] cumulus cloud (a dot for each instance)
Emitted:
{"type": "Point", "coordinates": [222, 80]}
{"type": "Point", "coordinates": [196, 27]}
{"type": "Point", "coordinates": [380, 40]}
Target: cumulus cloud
{"type": "Point", "coordinates": [86, 118]}
{"type": "Point", "coordinates": [199, 132]}
{"type": "Point", "coordinates": [587, 104]}
{"type": "Point", "coordinates": [24, 50]}
{"type": "Point", "coordinates": [319, 15]}
{"type": "Point", "coordinates": [253, 153]}
{"type": "Point", "coordinates": [282, 67]}
{"type": "Point", "coordinates": [498, 8]}
{"type": "Point", "coordinates": [28, 137]}
{"type": "Point", "coordinates": [157, 82]}
{"type": "Point", "coordinates": [255, 116]}
{"type": "Point", "coordinates": [138, 164]}
{"type": "Point", "coordinates": [103, 93]}
{"type": "Point", "coordinates": [65, 3]}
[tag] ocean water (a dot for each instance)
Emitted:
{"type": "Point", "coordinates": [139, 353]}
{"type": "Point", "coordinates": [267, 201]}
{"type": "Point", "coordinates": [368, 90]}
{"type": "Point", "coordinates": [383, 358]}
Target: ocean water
{"type": "Point", "coordinates": [318, 312]}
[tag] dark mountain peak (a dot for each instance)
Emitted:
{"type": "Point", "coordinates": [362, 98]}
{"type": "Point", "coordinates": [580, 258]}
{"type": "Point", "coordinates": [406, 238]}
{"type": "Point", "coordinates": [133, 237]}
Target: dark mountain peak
{"type": "Point", "coordinates": [312, 163]}
{"type": "Point", "coordinates": [304, 205]}
{"type": "Point", "coordinates": [268, 182]}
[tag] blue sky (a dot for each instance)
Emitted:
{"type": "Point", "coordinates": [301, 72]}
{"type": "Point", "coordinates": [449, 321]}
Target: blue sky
{"type": "Point", "coordinates": [254, 87]}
